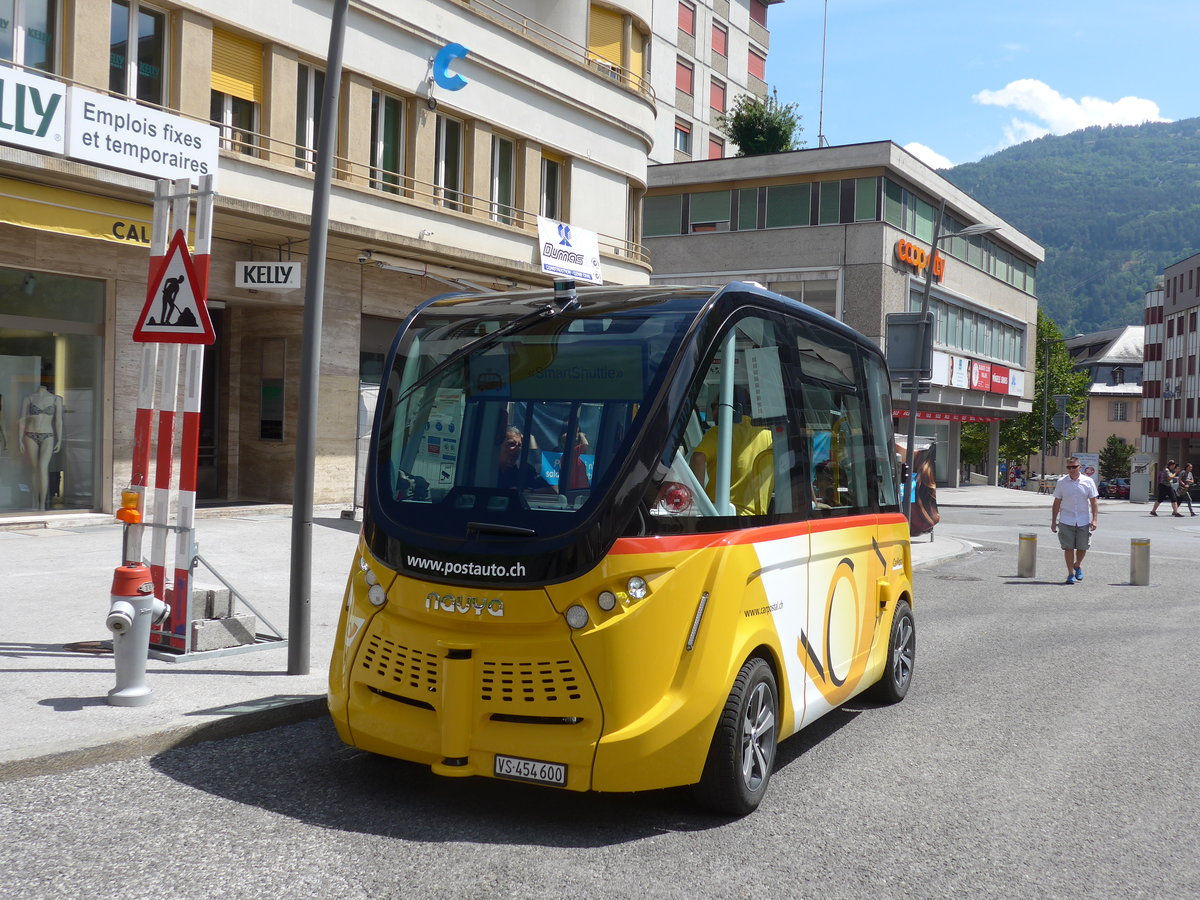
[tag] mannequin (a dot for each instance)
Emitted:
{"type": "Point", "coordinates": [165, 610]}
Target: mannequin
{"type": "Point", "coordinates": [40, 436]}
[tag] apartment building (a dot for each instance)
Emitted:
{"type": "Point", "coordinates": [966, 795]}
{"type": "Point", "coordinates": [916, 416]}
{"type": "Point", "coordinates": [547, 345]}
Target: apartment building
{"type": "Point", "coordinates": [848, 229]}
{"type": "Point", "coordinates": [439, 185]}
{"type": "Point", "coordinates": [705, 54]}
{"type": "Point", "coordinates": [1113, 360]}
{"type": "Point", "coordinates": [1171, 390]}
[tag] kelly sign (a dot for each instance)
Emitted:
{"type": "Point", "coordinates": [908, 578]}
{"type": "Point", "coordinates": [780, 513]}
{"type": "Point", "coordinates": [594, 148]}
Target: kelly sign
{"type": "Point", "coordinates": [32, 111]}
{"type": "Point", "coordinates": [266, 276]}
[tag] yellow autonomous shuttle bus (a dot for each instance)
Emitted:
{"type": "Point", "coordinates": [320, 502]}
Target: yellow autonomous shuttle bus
{"type": "Point", "coordinates": [621, 539]}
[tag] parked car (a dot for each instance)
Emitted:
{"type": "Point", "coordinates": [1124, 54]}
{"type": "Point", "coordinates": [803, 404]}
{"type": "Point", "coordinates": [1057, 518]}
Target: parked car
{"type": "Point", "coordinates": [1118, 489]}
{"type": "Point", "coordinates": [1102, 488]}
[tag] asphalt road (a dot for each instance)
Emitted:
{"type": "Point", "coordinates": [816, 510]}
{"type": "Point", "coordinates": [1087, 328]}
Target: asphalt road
{"type": "Point", "coordinates": [1048, 748]}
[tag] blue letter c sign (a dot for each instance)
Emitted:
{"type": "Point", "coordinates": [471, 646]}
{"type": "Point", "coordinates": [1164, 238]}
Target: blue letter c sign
{"type": "Point", "coordinates": [441, 67]}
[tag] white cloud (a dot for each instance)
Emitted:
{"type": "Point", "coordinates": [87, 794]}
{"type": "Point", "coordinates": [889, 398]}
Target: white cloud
{"type": "Point", "coordinates": [1059, 114]}
{"type": "Point", "coordinates": [930, 157]}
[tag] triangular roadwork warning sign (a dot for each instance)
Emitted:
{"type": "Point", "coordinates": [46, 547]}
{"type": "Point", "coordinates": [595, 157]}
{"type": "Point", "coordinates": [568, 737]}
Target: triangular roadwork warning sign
{"type": "Point", "coordinates": [176, 310]}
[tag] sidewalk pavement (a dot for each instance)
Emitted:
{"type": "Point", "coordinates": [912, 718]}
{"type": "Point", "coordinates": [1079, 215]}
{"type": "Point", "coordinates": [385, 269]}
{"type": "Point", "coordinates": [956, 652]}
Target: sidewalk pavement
{"type": "Point", "coordinates": [55, 581]}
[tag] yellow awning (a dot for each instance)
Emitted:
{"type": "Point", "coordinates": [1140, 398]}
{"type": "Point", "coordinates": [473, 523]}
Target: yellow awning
{"type": "Point", "coordinates": [49, 208]}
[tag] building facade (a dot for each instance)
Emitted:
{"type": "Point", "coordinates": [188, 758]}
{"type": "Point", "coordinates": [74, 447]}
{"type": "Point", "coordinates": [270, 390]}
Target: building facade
{"type": "Point", "coordinates": [849, 230]}
{"type": "Point", "coordinates": [705, 54]}
{"type": "Point", "coordinates": [1113, 360]}
{"type": "Point", "coordinates": [1171, 392]}
{"type": "Point", "coordinates": [439, 183]}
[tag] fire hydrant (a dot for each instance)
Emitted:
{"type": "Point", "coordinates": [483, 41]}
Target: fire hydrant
{"type": "Point", "coordinates": [134, 609]}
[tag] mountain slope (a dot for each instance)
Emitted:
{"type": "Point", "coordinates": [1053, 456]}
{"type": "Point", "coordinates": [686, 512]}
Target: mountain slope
{"type": "Point", "coordinates": [1112, 206]}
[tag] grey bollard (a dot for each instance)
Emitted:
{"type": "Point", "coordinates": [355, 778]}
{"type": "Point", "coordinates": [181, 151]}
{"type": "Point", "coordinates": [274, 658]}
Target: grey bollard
{"type": "Point", "coordinates": [134, 608]}
{"type": "Point", "coordinates": [1139, 561]}
{"type": "Point", "coordinates": [1027, 556]}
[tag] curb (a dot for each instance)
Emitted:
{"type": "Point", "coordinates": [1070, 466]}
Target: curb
{"type": "Point", "coordinates": [157, 742]}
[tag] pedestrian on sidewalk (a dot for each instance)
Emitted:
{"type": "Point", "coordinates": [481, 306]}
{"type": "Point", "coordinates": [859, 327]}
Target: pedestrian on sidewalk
{"type": "Point", "coordinates": [1168, 478]}
{"type": "Point", "coordinates": [1073, 517]}
{"type": "Point", "coordinates": [1186, 480]}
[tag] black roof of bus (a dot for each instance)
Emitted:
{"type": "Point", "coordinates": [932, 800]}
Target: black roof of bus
{"type": "Point", "coordinates": [597, 300]}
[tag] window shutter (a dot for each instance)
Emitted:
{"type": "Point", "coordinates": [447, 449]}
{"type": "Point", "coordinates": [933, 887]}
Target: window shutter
{"type": "Point", "coordinates": [605, 30]}
{"type": "Point", "coordinates": [237, 66]}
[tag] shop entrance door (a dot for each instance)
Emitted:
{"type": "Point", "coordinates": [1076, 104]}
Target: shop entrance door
{"type": "Point", "coordinates": [210, 483]}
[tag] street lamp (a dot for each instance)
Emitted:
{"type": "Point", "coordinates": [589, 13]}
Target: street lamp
{"type": "Point", "coordinates": [927, 337]}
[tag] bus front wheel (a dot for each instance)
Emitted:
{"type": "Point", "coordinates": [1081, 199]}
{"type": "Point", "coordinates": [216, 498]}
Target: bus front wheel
{"type": "Point", "coordinates": [742, 754]}
{"type": "Point", "coordinates": [902, 655]}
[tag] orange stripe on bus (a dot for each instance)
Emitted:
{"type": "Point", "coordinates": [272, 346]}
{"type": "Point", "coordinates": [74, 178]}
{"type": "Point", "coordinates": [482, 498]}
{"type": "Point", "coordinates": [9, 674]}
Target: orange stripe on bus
{"type": "Point", "coordinates": [672, 543]}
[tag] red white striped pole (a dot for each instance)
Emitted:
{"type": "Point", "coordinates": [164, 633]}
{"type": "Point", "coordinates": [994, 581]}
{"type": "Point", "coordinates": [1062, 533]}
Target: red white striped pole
{"type": "Point", "coordinates": [185, 543]}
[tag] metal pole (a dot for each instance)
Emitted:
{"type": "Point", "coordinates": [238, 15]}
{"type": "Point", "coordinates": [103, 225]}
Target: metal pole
{"type": "Point", "coordinates": [1045, 414]}
{"type": "Point", "coordinates": [912, 402]}
{"type": "Point", "coordinates": [299, 608]}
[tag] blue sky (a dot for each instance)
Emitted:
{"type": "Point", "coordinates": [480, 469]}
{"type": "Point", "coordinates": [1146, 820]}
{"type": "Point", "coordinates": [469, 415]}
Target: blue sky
{"type": "Point", "coordinates": [956, 80]}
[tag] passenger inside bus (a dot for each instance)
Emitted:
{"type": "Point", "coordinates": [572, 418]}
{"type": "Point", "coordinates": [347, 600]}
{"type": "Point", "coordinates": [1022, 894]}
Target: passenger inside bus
{"type": "Point", "coordinates": [513, 471]}
{"type": "Point", "coordinates": [752, 466]}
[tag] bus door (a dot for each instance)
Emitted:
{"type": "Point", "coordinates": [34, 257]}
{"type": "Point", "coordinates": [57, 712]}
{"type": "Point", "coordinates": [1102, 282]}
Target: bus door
{"type": "Point", "coordinates": [745, 443]}
{"type": "Point", "coordinates": [845, 562]}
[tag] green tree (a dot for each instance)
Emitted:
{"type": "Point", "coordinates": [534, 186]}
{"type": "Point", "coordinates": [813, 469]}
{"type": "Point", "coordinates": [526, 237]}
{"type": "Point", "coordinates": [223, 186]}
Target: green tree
{"type": "Point", "coordinates": [1115, 458]}
{"type": "Point", "coordinates": [761, 125]}
{"type": "Point", "coordinates": [1021, 437]}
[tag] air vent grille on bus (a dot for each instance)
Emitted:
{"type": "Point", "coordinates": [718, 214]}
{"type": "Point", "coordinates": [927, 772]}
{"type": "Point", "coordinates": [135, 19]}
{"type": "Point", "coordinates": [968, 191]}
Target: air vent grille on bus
{"type": "Point", "coordinates": [416, 670]}
{"type": "Point", "coordinates": [508, 681]}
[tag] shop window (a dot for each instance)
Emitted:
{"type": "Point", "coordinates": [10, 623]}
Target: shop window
{"type": "Point", "coordinates": [448, 163]}
{"type": "Point", "coordinates": [138, 51]}
{"type": "Point", "coordinates": [310, 86]}
{"type": "Point", "coordinates": [504, 180]}
{"type": "Point", "coordinates": [237, 90]}
{"type": "Point", "coordinates": [51, 391]}
{"type": "Point", "coordinates": [720, 39]}
{"type": "Point", "coordinates": [683, 138]}
{"type": "Point", "coordinates": [270, 389]}
{"type": "Point", "coordinates": [29, 33]}
{"type": "Point", "coordinates": [551, 205]}
{"type": "Point", "coordinates": [387, 142]}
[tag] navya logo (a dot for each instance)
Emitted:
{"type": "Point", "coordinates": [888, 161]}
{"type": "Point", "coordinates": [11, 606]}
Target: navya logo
{"type": "Point", "coordinates": [464, 605]}
{"type": "Point", "coordinates": [31, 111]}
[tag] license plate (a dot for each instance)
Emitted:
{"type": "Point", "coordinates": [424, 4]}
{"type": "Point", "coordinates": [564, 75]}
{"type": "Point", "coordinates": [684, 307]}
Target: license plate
{"type": "Point", "coordinates": [533, 770]}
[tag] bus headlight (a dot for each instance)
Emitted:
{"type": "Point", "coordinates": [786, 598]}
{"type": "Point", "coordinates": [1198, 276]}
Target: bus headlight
{"type": "Point", "coordinates": [637, 587]}
{"type": "Point", "coordinates": [577, 616]}
{"type": "Point", "coordinates": [607, 600]}
{"type": "Point", "coordinates": [377, 595]}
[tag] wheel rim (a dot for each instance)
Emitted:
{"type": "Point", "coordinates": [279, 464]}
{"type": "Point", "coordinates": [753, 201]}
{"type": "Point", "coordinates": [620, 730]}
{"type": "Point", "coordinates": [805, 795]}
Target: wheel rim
{"type": "Point", "coordinates": [902, 656]}
{"type": "Point", "coordinates": [758, 737]}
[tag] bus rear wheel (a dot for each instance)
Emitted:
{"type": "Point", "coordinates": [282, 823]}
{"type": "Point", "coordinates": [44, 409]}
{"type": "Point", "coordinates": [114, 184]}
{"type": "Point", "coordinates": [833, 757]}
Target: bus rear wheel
{"type": "Point", "coordinates": [902, 655]}
{"type": "Point", "coordinates": [742, 754]}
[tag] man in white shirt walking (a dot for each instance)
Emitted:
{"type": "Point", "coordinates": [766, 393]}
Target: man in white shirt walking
{"type": "Point", "coordinates": [1073, 517]}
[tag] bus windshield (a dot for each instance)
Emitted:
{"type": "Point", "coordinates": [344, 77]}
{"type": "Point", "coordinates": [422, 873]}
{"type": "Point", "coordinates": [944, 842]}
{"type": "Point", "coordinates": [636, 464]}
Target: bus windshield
{"type": "Point", "coordinates": [511, 416]}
